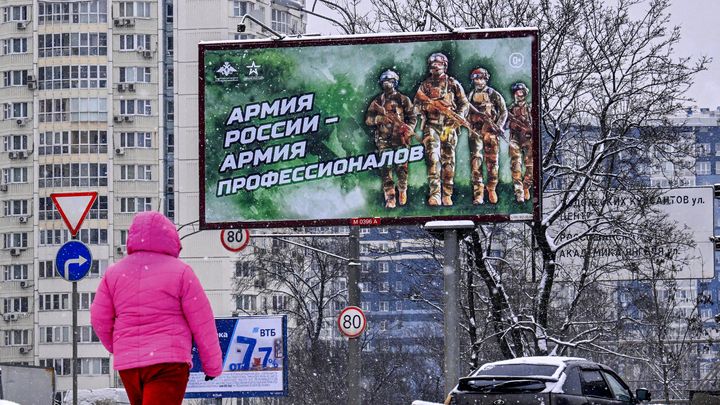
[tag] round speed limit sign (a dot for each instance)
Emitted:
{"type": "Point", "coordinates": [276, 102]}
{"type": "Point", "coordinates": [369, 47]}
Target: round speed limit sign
{"type": "Point", "coordinates": [235, 240]}
{"type": "Point", "coordinates": [352, 322]}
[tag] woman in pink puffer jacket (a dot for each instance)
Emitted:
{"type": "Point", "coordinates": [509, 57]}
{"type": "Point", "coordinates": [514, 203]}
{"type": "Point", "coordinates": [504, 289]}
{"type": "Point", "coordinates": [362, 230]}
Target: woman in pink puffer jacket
{"type": "Point", "coordinates": [148, 309]}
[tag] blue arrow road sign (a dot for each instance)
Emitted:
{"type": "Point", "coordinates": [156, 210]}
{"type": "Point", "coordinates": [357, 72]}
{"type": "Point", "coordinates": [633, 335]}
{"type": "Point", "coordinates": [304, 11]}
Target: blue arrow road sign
{"type": "Point", "coordinates": [73, 260]}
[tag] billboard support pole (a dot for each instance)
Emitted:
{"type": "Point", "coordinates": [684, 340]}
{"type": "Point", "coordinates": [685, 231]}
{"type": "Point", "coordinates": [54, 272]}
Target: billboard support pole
{"type": "Point", "coordinates": [450, 298]}
{"type": "Point", "coordinates": [354, 361]}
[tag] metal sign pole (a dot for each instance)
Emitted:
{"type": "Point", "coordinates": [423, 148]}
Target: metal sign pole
{"type": "Point", "coordinates": [74, 342]}
{"type": "Point", "coordinates": [354, 361]}
{"type": "Point", "coordinates": [450, 298]}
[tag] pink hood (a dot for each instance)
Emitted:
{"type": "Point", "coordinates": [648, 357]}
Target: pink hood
{"type": "Point", "coordinates": [150, 306]}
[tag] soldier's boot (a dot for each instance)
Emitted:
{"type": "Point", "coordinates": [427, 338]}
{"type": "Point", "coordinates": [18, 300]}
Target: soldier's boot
{"type": "Point", "coordinates": [519, 194]}
{"type": "Point", "coordinates": [402, 197]}
{"type": "Point", "coordinates": [479, 194]}
{"type": "Point", "coordinates": [447, 194]}
{"type": "Point", "coordinates": [434, 200]}
{"type": "Point", "coordinates": [492, 196]}
{"type": "Point", "coordinates": [390, 198]}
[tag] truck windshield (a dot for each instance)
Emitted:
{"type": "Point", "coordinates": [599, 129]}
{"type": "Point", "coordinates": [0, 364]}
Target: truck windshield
{"type": "Point", "coordinates": [517, 370]}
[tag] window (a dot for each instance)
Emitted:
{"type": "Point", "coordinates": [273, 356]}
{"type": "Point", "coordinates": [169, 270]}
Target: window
{"type": "Point", "coordinates": [73, 109]}
{"type": "Point", "coordinates": [16, 208]}
{"type": "Point", "coordinates": [383, 230]}
{"type": "Point", "coordinates": [46, 269]}
{"type": "Point", "coordinates": [398, 286]}
{"type": "Point", "coordinates": [170, 77]}
{"type": "Point", "coordinates": [14, 175]}
{"type": "Point", "coordinates": [136, 172]}
{"type": "Point", "coordinates": [15, 143]}
{"type": "Point", "coordinates": [398, 267]}
{"type": "Point", "coordinates": [14, 272]}
{"type": "Point", "coordinates": [384, 286]}
{"type": "Point", "coordinates": [383, 306]}
{"type": "Point", "coordinates": [702, 168]}
{"type": "Point", "coordinates": [169, 45]}
{"type": "Point", "coordinates": [717, 167]}
{"type": "Point", "coordinates": [135, 42]}
{"type": "Point", "coordinates": [135, 107]}
{"type": "Point", "coordinates": [383, 326]}
{"type": "Point", "coordinates": [86, 334]}
{"type": "Point", "coordinates": [93, 366]}
{"type": "Point", "coordinates": [244, 269]}
{"type": "Point", "coordinates": [15, 78]}
{"type": "Point", "coordinates": [14, 46]}
{"type": "Point", "coordinates": [15, 240]}
{"type": "Point", "coordinates": [365, 306]}
{"type": "Point", "coordinates": [249, 36]}
{"type": "Point", "coordinates": [246, 302]}
{"type": "Point", "coordinates": [16, 110]}
{"type": "Point", "coordinates": [365, 267]}
{"type": "Point", "coordinates": [72, 77]}
{"type": "Point", "coordinates": [619, 391]}
{"type": "Point", "coordinates": [364, 287]}
{"type": "Point", "coordinates": [130, 205]}
{"type": "Point", "coordinates": [53, 237]}
{"type": "Point", "coordinates": [702, 149]}
{"type": "Point", "coordinates": [240, 8]}
{"type": "Point", "coordinates": [52, 12]}
{"type": "Point", "coordinates": [135, 9]}
{"type": "Point", "coordinates": [136, 139]}
{"type": "Point", "coordinates": [72, 142]}
{"type": "Point", "coordinates": [55, 334]}
{"type": "Point", "coordinates": [170, 110]}
{"type": "Point", "coordinates": [134, 74]}
{"type": "Point", "coordinates": [61, 366]}
{"type": "Point", "coordinates": [15, 305]}
{"type": "Point", "coordinates": [86, 299]}
{"type": "Point", "coordinates": [279, 20]}
{"type": "Point", "coordinates": [54, 302]}
{"type": "Point", "coordinates": [169, 13]}
{"type": "Point", "coordinates": [593, 384]}
{"type": "Point", "coordinates": [15, 13]}
{"type": "Point", "coordinates": [17, 337]}
{"type": "Point", "coordinates": [383, 267]}
{"type": "Point", "coordinates": [279, 302]}
{"type": "Point", "coordinates": [398, 306]}
{"type": "Point", "coordinates": [72, 44]}
{"type": "Point", "coordinates": [72, 174]}
{"type": "Point", "coordinates": [123, 237]}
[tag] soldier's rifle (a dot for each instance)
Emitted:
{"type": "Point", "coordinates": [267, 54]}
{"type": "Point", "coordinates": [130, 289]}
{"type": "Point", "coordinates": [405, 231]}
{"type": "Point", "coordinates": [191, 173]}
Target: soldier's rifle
{"type": "Point", "coordinates": [487, 119]}
{"type": "Point", "coordinates": [395, 120]}
{"type": "Point", "coordinates": [520, 123]}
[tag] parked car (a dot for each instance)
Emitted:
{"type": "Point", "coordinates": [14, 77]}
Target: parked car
{"type": "Point", "coordinates": [544, 381]}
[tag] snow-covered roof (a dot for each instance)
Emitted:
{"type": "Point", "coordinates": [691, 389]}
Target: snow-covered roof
{"type": "Point", "coordinates": [543, 360]}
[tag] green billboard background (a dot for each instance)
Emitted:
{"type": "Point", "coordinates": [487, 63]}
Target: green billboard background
{"type": "Point", "coordinates": [344, 79]}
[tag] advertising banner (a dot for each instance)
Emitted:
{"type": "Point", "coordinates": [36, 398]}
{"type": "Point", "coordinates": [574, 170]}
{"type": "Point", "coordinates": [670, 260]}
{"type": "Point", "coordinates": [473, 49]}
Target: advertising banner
{"type": "Point", "coordinates": [626, 257]}
{"type": "Point", "coordinates": [396, 128]}
{"type": "Point", "coordinates": [254, 350]}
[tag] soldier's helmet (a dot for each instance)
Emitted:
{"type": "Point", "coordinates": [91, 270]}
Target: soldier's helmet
{"type": "Point", "coordinates": [390, 75]}
{"type": "Point", "coordinates": [480, 73]}
{"type": "Point", "coordinates": [519, 86]}
{"type": "Point", "coordinates": [438, 57]}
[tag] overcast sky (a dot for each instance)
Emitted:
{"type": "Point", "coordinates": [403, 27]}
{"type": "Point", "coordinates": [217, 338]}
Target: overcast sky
{"type": "Point", "coordinates": [698, 21]}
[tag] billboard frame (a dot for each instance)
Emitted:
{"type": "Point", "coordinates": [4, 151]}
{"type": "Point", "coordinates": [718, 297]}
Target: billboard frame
{"type": "Point", "coordinates": [286, 42]}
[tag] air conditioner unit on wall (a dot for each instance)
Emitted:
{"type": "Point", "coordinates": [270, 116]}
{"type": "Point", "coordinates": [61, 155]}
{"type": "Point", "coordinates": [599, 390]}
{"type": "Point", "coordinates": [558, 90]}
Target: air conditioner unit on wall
{"type": "Point", "coordinates": [131, 87]}
{"type": "Point", "coordinates": [15, 252]}
{"type": "Point", "coordinates": [147, 54]}
{"type": "Point", "coordinates": [119, 151]}
{"type": "Point", "coordinates": [118, 118]}
{"type": "Point", "coordinates": [129, 118]}
{"type": "Point", "coordinates": [22, 25]}
{"type": "Point", "coordinates": [25, 350]}
{"type": "Point", "coordinates": [118, 22]}
{"type": "Point", "coordinates": [129, 22]}
{"type": "Point", "coordinates": [24, 284]}
{"type": "Point", "coordinates": [121, 87]}
{"type": "Point", "coordinates": [23, 154]}
{"type": "Point", "coordinates": [21, 122]}
{"type": "Point", "coordinates": [10, 317]}
{"type": "Point", "coordinates": [3, 187]}
{"type": "Point", "coordinates": [23, 220]}
{"type": "Point", "coordinates": [13, 154]}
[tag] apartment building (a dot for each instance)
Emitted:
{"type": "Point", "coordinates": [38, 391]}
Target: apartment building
{"type": "Point", "coordinates": [91, 101]}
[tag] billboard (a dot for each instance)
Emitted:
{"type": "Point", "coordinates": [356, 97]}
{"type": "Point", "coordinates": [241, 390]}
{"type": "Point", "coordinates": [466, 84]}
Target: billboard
{"type": "Point", "coordinates": [619, 256]}
{"type": "Point", "coordinates": [398, 128]}
{"type": "Point", "coordinates": [254, 350]}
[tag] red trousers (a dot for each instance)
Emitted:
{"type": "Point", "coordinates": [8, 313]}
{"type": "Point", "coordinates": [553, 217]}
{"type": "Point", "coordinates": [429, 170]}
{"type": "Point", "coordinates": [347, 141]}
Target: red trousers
{"type": "Point", "coordinates": [159, 384]}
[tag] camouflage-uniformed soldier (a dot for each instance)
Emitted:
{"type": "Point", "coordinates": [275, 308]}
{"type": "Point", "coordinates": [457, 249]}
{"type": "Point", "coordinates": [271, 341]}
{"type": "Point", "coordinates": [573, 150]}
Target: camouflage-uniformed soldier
{"type": "Point", "coordinates": [391, 117]}
{"type": "Point", "coordinates": [487, 116]}
{"type": "Point", "coordinates": [441, 103]}
{"type": "Point", "coordinates": [520, 123]}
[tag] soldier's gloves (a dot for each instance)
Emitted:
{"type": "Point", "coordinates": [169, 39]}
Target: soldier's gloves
{"type": "Point", "coordinates": [208, 378]}
{"type": "Point", "coordinates": [379, 119]}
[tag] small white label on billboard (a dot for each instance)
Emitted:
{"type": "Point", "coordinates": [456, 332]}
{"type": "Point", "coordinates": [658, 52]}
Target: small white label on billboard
{"type": "Point", "coordinates": [352, 321]}
{"type": "Point", "coordinates": [235, 240]}
{"type": "Point", "coordinates": [74, 207]}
